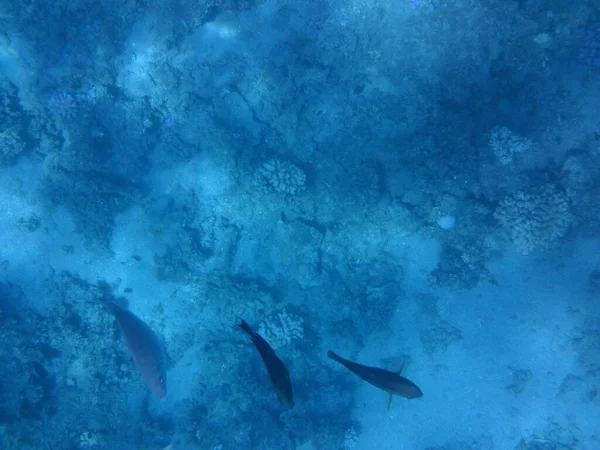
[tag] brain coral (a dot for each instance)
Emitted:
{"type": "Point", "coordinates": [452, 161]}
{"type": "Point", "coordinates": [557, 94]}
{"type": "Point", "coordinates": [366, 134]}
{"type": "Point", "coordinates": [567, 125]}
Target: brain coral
{"type": "Point", "coordinates": [536, 218]}
{"type": "Point", "coordinates": [283, 176]}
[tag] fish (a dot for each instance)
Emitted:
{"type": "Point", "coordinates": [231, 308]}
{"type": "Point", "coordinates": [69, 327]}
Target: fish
{"type": "Point", "coordinates": [391, 382]}
{"type": "Point", "coordinates": [278, 372]}
{"type": "Point", "coordinates": [145, 347]}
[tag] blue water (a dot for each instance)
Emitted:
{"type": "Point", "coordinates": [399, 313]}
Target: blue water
{"type": "Point", "coordinates": [407, 183]}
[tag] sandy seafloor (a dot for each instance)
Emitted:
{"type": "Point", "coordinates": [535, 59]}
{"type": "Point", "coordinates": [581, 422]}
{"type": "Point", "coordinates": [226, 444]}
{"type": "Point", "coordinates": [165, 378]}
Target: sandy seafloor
{"type": "Point", "coordinates": [532, 320]}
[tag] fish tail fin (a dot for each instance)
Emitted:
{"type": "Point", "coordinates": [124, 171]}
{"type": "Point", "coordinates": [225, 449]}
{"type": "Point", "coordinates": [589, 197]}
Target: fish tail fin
{"type": "Point", "coordinates": [335, 357]}
{"type": "Point", "coordinates": [246, 329]}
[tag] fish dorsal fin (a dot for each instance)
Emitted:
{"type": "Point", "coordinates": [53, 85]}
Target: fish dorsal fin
{"type": "Point", "coordinates": [396, 364]}
{"type": "Point", "coordinates": [400, 369]}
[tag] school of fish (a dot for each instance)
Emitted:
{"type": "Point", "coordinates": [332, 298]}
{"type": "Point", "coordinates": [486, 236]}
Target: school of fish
{"type": "Point", "coordinates": [149, 358]}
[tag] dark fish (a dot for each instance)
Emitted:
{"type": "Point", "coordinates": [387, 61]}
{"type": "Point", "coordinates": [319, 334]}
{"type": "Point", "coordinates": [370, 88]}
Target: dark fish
{"type": "Point", "coordinates": [278, 373]}
{"type": "Point", "coordinates": [145, 346]}
{"type": "Point", "coordinates": [383, 379]}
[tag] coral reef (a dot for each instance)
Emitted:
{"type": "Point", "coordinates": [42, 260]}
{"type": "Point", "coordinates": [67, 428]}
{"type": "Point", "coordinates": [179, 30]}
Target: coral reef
{"type": "Point", "coordinates": [64, 371]}
{"type": "Point", "coordinates": [535, 219]}
{"type": "Point", "coordinates": [350, 439]}
{"type": "Point", "coordinates": [88, 439]}
{"type": "Point", "coordinates": [462, 265]}
{"type": "Point", "coordinates": [282, 176]}
{"type": "Point", "coordinates": [11, 144]}
{"type": "Point", "coordinates": [62, 107]}
{"type": "Point", "coordinates": [289, 163]}
{"type": "Point", "coordinates": [282, 329]}
{"type": "Point", "coordinates": [12, 128]}
{"type": "Point", "coordinates": [505, 144]}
